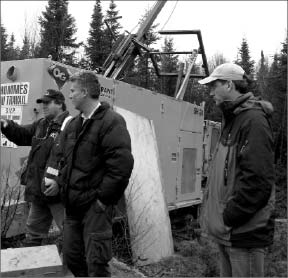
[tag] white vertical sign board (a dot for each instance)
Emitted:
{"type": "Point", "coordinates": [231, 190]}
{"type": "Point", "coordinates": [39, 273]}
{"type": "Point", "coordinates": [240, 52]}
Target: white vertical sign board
{"type": "Point", "coordinates": [149, 223]}
{"type": "Point", "coordinates": [10, 113]}
{"type": "Point", "coordinates": [13, 97]}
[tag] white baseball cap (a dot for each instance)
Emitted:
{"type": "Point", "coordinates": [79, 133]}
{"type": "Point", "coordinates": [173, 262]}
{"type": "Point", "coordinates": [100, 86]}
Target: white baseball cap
{"type": "Point", "coordinates": [227, 71]}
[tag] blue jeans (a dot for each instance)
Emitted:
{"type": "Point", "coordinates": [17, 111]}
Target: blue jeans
{"type": "Point", "coordinates": [40, 219]}
{"type": "Point", "coordinates": [241, 262]}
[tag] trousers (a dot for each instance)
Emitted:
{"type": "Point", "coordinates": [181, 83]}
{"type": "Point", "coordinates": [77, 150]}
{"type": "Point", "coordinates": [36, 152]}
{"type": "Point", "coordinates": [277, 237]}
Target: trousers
{"type": "Point", "coordinates": [87, 246]}
{"type": "Point", "coordinates": [39, 220]}
{"type": "Point", "coordinates": [241, 262]}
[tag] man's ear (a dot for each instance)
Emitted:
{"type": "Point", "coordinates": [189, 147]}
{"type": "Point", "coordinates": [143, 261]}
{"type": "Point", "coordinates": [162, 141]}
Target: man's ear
{"type": "Point", "coordinates": [85, 92]}
{"type": "Point", "coordinates": [230, 85]}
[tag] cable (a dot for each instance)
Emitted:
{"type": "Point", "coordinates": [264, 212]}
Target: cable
{"type": "Point", "coordinates": [170, 15]}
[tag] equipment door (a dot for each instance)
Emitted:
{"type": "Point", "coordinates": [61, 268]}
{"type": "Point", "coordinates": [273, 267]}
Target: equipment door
{"type": "Point", "coordinates": [189, 171]}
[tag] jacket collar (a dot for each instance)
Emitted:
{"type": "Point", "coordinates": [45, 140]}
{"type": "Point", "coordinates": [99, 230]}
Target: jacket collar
{"type": "Point", "coordinates": [245, 102]}
{"type": "Point", "coordinates": [60, 118]}
{"type": "Point", "coordinates": [100, 112]}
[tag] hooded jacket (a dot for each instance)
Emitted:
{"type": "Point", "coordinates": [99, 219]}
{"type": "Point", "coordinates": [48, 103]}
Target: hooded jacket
{"type": "Point", "coordinates": [96, 160]}
{"type": "Point", "coordinates": [40, 135]}
{"type": "Point", "coordinates": [238, 203]}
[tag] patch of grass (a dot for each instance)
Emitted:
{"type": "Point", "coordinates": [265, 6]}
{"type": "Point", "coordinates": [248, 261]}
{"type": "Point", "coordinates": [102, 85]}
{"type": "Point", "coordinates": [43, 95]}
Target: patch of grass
{"type": "Point", "coordinates": [199, 258]}
{"type": "Point", "coordinates": [192, 259]}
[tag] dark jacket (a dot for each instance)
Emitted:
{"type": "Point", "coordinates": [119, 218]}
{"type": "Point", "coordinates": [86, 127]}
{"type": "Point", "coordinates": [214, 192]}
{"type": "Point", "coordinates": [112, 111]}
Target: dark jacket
{"type": "Point", "coordinates": [97, 160]}
{"type": "Point", "coordinates": [239, 202]}
{"type": "Point", "coordinates": [40, 135]}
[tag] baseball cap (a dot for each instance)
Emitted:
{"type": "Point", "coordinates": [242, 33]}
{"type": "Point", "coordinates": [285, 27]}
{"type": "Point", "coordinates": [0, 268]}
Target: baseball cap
{"type": "Point", "coordinates": [51, 94]}
{"type": "Point", "coordinates": [226, 71]}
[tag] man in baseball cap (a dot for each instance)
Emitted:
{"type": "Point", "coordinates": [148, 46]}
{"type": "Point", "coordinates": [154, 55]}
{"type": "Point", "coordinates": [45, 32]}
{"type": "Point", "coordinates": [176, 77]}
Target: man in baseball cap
{"type": "Point", "coordinates": [227, 82]}
{"type": "Point", "coordinates": [227, 71]}
{"type": "Point", "coordinates": [42, 136]}
{"type": "Point", "coordinates": [237, 208]}
{"type": "Point", "coordinates": [51, 94]}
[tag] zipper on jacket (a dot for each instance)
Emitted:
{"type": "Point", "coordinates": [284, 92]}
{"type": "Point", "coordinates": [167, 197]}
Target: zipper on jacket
{"type": "Point", "coordinates": [226, 161]}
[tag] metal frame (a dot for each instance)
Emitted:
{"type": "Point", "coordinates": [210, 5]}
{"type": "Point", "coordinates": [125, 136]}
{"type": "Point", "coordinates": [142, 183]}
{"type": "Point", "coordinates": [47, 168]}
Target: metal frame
{"type": "Point", "coordinates": [200, 50]}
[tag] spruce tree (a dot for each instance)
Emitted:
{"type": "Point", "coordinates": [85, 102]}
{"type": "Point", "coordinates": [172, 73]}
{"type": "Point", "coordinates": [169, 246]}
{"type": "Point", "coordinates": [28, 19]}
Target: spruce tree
{"type": "Point", "coordinates": [169, 63]}
{"type": "Point", "coordinates": [95, 43]}
{"type": "Point", "coordinates": [13, 52]}
{"type": "Point", "coordinates": [57, 32]}
{"type": "Point", "coordinates": [25, 50]}
{"type": "Point", "coordinates": [245, 60]}
{"type": "Point", "coordinates": [114, 26]}
{"type": "Point", "coordinates": [262, 75]}
{"type": "Point", "coordinates": [277, 94]}
{"type": "Point", "coordinates": [4, 51]}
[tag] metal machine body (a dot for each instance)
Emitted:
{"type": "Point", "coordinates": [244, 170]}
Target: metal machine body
{"type": "Point", "coordinates": [178, 124]}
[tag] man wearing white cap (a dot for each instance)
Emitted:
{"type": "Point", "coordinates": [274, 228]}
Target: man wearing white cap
{"type": "Point", "coordinates": [238, 204]}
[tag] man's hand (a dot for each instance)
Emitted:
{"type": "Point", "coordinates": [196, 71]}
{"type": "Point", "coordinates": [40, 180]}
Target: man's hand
{"type": "Point", "coordinates": [4, 123]}
{"type": "Point", "coordinates": [52, 188]}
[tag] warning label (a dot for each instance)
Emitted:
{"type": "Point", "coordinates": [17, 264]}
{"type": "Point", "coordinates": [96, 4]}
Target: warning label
{"type": "Point", "coordinates": [13, 97]}
{"type": "Point", "coordinates": [10, 113]}
{"type": "Point", "coordinates": [14, 93]}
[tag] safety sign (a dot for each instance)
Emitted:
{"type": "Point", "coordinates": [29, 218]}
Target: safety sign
{"type": "Point", "coordinates": [13, 97]}
{"type": "Point", "coordinates": [14, 93]}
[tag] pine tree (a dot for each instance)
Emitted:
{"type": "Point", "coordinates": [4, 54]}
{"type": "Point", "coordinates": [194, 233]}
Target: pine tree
{"type": "Point", "coordinates": [262, 75]}
{"type": "Point", "coordinates": [25, 50]}
{"type": "Point", "coordinates": [245, 59]}
{"type": "Point", "coordinates": [57, 31]}
{"type": "Point", "coordinates": [169, 63]}
{"type": "Point", "coordinates": [114, 26]}
{"type": "Point", "coordinates": [13, 52]}
{"type": "Point", "coordinates": [4, 45]}
{"type": "Point", "coordinates": [277, 94]}
{"type": "Point", "coordinates": [95, 43]}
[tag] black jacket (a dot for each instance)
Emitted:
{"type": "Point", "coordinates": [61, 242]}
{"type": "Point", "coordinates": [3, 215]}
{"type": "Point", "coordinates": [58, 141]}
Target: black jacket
{"type": "Point", "coordinates": [238, 205]}
{"type": "Point", "coordinates": [40, 135]}
{"type": "Point", "coordinates": [96, 159]}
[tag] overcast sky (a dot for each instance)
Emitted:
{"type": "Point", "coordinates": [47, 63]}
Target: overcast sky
{"type": "Point", "coordinates": [223, 23]}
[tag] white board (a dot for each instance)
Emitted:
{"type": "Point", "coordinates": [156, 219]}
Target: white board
{"type": "Point", "coordinates": [149, 223]}
{"type": "Point", "coordinates": [31, 261]}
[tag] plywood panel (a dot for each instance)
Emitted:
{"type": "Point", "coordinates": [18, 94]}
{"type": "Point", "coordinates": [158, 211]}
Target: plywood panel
{"type": "Point", "coordinates": [149, 222]}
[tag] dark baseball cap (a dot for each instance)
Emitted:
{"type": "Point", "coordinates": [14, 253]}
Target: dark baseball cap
{"type": "Point", "coordinates": [51, 94]}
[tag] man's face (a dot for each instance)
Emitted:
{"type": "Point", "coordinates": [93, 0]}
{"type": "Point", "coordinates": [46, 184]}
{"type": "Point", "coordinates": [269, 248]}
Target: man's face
{"type": "Point", "coordinates": [220, 91]}
{"type": "Point", "coordinates": [77, 95]}
{"type": "Point", "coordinates": [51, 109]}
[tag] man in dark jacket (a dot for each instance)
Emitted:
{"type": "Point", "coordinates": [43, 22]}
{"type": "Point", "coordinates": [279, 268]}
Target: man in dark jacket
{"type": "Point", "coordinates": [40, 135]}
{"type": "Point", "coordinates": [238, 205]}
{"type": "Point", "coordinates": [97, 164]}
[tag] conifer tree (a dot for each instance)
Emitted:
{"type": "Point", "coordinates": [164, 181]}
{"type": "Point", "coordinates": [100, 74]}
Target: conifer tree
{"type": "Point", "coordinates": [277, 94]}
{"type": "Point", "coordinates": [25, 50]}
{"type": "Point", "coordinates": [114, 26]}
{"type": "Point", "coordinates": [4, 37]}
{"type": "Point", "coordinates": [245, 60]}
{"type": "Point", "coordinates": [13, 52]}
{"type": "Point", "coordinates": [95, 43]}
{"type": "Point", "coordinates": [57, 32]}
{"type": "Point", "coordinates": [169, 63]}
{"type": "Point", "coordinates": [262, 75]}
